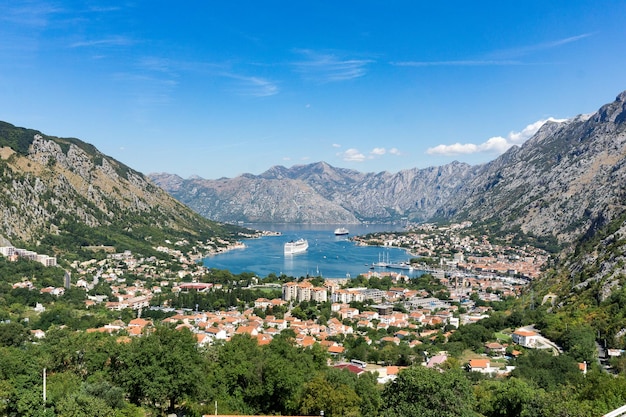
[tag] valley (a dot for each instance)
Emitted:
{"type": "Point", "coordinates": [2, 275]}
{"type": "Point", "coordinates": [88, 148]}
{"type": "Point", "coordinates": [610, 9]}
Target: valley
{"type": "Point", "coordinates": [526, 249]}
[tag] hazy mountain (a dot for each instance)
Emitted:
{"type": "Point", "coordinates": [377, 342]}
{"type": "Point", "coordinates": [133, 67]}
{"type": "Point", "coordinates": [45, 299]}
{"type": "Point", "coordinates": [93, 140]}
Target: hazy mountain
{"type": "Point", "coordinates": [63, 193]}
{"type": "Point", "coordinates": [320, 193]}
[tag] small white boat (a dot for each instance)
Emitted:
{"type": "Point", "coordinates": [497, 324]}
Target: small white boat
{"type": "Point", "coordinates": [341, 231]}
{"type": "Point", "coordinates": [298, 246]}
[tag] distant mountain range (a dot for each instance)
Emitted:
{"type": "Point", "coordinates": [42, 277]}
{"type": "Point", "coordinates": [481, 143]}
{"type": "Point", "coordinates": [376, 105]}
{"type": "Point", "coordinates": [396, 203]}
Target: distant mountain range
{"type": "Point", "coordinates": [320, 193]}
{"type": "Point", "coordinates": [567, 180]}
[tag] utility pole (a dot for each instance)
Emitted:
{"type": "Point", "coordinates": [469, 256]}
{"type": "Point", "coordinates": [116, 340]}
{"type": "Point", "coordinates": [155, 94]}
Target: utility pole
{"type": "Point", "coordinates": [44, 387]}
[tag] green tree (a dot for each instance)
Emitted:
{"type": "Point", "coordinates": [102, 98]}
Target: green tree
{"type": "Point", "coordinates": [579, 343]}
{"type": "Point", "coordinates": [473, 336]}
{"type": "Point", "coordinates": [420, 391]}
{"type": "Point", "coordinates": [545, 370]}
{"type": "Point", "coordinates": [12, 334]}
{"type": "Point", "coordinates": [510, 398]}
{"type": "Point", "coordinates": [84, 405]}
{"type": "Point", "coordinates": [336, 400]}
{"type": "Point", "coordinates": [234, 373]}
{"type": "Point", "coordinates": [366, 387]}
{"type": "Point", "coordinates": [160, 368]}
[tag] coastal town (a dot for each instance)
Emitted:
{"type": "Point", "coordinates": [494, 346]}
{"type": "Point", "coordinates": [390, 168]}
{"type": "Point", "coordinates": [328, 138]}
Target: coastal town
{"type": "Point", "coordinates": [465, 276]}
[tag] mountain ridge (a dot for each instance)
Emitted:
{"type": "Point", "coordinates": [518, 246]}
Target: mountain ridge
{"type": "Point", "coordinates": [62, 193]}
{"type": "Point", "coordinates": [560, 182]}
{"type": "Point", "coordinates": [336, 195]}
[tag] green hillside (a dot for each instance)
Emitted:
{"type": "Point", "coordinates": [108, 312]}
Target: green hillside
{"type": "Point", "coordinates": [61, 194]}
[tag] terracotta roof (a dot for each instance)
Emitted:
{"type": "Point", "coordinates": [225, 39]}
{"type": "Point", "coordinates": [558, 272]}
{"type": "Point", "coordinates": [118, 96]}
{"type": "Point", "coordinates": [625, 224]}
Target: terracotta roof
{"type": "Point", "coordinates": [479, 363]}
{"type": "Point", "coordinates": [525, 333]}
{"type": "Point", "coordinates": [352, 368]}
{"type": "Point", "coordinates": [336, 349]}
{"type": "Point", "coordinates": [393, 370]}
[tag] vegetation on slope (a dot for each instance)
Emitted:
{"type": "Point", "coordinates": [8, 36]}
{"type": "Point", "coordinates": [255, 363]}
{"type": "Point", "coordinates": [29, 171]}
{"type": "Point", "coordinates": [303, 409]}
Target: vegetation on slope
{"type": "Point", "coordinates": [59, 195]}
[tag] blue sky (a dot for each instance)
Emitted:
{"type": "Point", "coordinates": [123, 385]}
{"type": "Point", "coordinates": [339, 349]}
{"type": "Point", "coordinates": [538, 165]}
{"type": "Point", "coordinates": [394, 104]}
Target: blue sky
{"type": "Point", "coordinates": [217, 89]}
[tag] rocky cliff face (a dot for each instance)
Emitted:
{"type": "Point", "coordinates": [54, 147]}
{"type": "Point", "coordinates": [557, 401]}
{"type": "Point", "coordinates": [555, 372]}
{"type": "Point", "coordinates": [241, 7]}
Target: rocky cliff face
{"type": "Point", "coordinates": [319, 193]}
{"type": "Point", "coordinates": [56, 186]}
{"type": "Point", "coordinates": [565, 181]}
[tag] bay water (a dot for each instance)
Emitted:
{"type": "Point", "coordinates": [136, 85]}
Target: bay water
{"type": "Point", "coordinates": [328, 256]}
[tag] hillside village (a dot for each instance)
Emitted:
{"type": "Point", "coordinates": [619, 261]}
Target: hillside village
{"type": "Point", "coordinates": [476, 274]}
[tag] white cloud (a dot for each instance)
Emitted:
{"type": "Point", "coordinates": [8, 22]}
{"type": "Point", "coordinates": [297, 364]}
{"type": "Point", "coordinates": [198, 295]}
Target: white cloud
{"type": "Point", "coordinates": [494, 145]}
{"type": "Point", "coordinates": [526, 133]}
{"type": "Point", "coordinates": [336, 145]}
{"type": "Point", "coordinates": [530, 49]}
{"type": "Point", "coordinates": [459, 63]}
{"type": "Point", "coordinates": [352, 155]}
{"type": "Point", "coordinates": [327, 67]}
{"type": "Point", "coordinates": [505, 57]}
{"type": "Point", "coordinates": [454, 149]}
{"type": "Point", "coordinates": [254, 86]}
{"type": "Point", "coordinates": [111, 41]}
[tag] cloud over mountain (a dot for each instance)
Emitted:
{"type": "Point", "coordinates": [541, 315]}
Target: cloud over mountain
{"type": "Point", "coordinates": [496, 145]}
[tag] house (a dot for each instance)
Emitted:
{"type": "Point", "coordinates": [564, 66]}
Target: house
{"type": "Point", "coordinates": [384, 309]}
{"type": "Point", "coordinates": [306, 341]}
{"type": "Point", "coordinates": [350, 367]}
{"type": "Point", "coordinates": [196, 286]}
{"type": "Point", "coordinates": [251, 330]}
{"type": "Point", "coordinates": [336, 350]}
{"type": "Point", "coordinates": [263, 339]}
{"type": "Point", "coordinates": [388, 373]}
{"type": "Point", "coordinates": [215, 333]}
{"type": "Point", "coordinates": [495, 348]}
{"type": "Point", "coordinates": [437, 360]}
{"type": "Point", "coordinates": [481, 365]}
{"type": "Point", "coordinates": [38, 334]}
{"type": "Point", "coordinates": [202, 339]}
{"type": "Point", "coordinates": [56, 291]}
{"type": "Point", "coordinates": [348, 313]}
{"type": "Point", "coordinates": [525, 338]}
{"type": "Point", "coordinates": [390, 339]}
{"type": "Point", "coordinates": [139, 322]}
{"type": "Point", "coordinates": [262, 303]}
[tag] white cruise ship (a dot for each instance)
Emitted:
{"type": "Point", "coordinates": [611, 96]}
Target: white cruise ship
{"type": "Point", "coordinates": [340, 231]}
{"type": "Point", "coordinates": [298, 246]}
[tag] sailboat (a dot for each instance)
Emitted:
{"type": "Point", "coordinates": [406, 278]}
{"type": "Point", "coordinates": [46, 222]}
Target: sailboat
{"type": "Point", "coordinates": [381, 262]}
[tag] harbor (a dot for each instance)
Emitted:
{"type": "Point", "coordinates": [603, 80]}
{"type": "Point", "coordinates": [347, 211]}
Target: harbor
{"type": "Point", "coordinates": [327, 255]}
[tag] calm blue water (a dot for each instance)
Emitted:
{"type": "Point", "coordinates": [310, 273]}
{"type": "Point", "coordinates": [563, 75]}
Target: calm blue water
{"type": "Point", "coordinates": [328, 255]}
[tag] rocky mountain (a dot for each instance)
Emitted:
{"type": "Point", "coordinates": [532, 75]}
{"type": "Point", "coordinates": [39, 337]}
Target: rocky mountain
{"type": "Point", "coordinates": [565, 181]}
{"type": "Point", "coordinates": [320, 193]}
{"type": "Point", "coordinates": [62, 193]}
